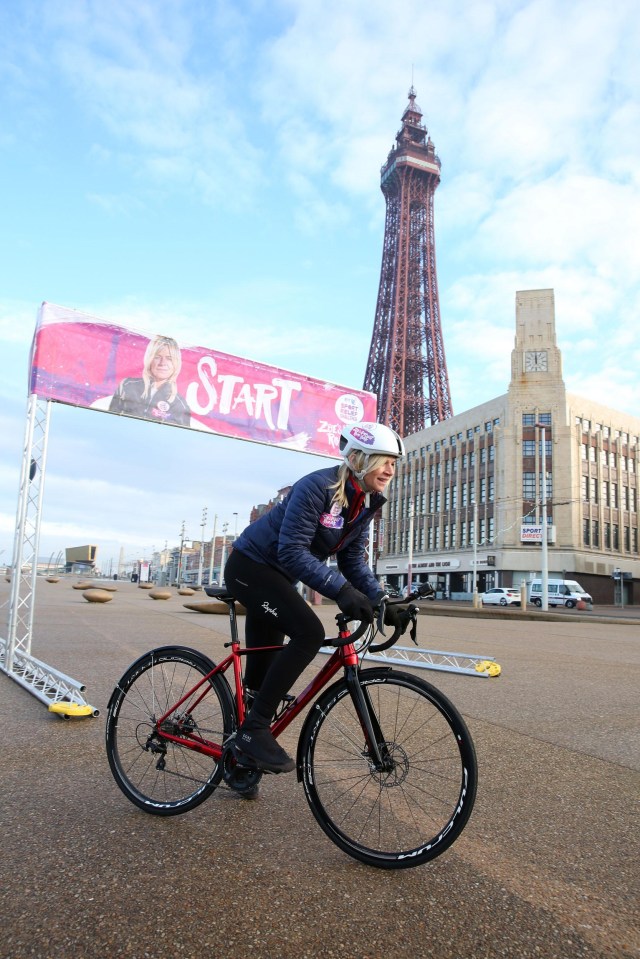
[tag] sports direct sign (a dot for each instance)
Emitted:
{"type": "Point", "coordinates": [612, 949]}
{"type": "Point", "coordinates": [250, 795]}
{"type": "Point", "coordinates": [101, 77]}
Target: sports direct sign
{"type": "Point", "coordinates": [80, 360]}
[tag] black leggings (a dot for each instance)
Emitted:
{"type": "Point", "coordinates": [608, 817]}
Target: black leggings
{"type": "Point", "coordinates": [275, 609]}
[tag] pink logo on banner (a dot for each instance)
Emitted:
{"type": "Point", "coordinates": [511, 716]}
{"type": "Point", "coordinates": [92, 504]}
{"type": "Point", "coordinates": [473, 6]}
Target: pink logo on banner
{"type": "Point", "coordinates": [84, 361]}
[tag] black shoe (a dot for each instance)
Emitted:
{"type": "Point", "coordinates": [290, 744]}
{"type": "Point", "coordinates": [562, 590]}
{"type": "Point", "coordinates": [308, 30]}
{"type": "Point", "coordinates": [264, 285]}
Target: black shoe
{"type": "Point", "coordinates": [260, 747]}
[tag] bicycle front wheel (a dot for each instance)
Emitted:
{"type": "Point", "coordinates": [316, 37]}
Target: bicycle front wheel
{"type": "Point", "coordinates": [158, 775]}
{"type": "Point", "coordinates": [414, 808]}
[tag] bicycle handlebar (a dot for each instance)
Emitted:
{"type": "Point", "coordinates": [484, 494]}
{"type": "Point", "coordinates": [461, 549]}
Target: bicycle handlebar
{"type": "Point", "coordinates": [422, 592]}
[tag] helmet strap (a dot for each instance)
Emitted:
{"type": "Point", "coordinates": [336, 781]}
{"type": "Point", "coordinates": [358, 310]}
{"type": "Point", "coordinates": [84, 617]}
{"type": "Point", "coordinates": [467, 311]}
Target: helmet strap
{"type": "Point", "coordinates": [359, 476]}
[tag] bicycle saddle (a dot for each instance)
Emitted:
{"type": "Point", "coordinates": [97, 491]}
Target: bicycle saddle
{"type": "Point", "coordinates": [221, 593]}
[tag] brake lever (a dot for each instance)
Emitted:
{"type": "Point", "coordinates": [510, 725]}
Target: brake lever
{"type": "Point", "coordinates": [381, 612]}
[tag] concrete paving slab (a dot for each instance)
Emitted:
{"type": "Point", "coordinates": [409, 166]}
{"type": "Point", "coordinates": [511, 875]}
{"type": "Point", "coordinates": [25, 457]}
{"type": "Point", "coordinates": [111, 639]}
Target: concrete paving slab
{"type": "Point", "coordinates": [547, 866]}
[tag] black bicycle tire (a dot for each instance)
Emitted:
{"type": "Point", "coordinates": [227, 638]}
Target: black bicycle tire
{"type": "Point", "coordinates": [357, 788]}
{"type": "Point", "coordinates": [189, 765]}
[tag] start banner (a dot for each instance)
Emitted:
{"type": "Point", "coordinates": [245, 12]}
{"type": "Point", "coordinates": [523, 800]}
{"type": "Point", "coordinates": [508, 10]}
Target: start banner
{"type": "Point", "coordinates": [80, 360]}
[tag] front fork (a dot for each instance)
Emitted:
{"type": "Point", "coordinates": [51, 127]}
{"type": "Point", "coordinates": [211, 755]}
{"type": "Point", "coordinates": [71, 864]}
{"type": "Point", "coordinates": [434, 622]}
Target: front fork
{"type": "Point", "coordinates": [376, 747]}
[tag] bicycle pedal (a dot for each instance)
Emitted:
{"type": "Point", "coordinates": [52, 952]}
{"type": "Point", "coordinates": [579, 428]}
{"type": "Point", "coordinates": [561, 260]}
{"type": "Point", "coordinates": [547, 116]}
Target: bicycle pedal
{"type": "Point", "coordinates": [245, 762]}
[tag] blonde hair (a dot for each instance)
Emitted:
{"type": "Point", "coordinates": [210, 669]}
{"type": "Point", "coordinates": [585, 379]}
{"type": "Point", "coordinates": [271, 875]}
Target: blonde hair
{"type": "Point", "coordinates": [155, 345]}
{"type": "Point", "coordinates": [357, 461]}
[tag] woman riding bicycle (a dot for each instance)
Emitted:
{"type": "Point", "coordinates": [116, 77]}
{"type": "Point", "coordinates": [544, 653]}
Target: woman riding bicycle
{"type": "Point", "coordinates": [326, 512]}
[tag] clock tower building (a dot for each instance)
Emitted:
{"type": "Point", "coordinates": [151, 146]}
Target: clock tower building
{"type": "Point", "coordinates": [536, 357]}
{"type": "Point", "coordinates": [475, 481]}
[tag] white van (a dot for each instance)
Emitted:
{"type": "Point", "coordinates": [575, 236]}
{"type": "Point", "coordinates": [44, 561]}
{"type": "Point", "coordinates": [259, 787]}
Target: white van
{"type": "Point", "coordinates": [561, 592]}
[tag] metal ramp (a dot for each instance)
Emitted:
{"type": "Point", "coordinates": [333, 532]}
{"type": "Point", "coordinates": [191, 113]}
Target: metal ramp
{"type": "Point", "coordinates": [464, 664]}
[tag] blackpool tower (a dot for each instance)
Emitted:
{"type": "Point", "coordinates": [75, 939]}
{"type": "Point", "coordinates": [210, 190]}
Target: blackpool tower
{"type": "Point", "coordinates": [407, 368]}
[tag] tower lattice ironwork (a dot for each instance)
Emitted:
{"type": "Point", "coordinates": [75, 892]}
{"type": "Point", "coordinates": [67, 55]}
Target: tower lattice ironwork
{"type": "Point", "coordinates": [407, 366]}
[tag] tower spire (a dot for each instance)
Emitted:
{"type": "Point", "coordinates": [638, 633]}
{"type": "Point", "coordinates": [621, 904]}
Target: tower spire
{"type": "Point", "coordinates": [406, 365]}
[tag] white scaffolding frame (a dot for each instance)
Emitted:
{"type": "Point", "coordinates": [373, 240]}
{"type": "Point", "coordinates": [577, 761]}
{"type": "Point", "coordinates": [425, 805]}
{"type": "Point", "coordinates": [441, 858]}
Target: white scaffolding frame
{"type": "Point", "coordinates": [46, 683]}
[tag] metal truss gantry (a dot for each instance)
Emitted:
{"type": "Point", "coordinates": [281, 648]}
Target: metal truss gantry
{"type": "Point", "coordinates": [61, 693]}
{"type": "Point", "coordinates": [463, 664]}
{"type": "Point", "coordinates": [406, 367]}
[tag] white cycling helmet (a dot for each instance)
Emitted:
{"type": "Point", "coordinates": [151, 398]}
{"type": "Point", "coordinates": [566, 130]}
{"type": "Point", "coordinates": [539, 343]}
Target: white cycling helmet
{"type": "Point", "coordinates": [373, 439]}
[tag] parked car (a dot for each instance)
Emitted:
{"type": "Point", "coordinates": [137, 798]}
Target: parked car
{"type": "Point", "coordinates": [501, 596]}
{"type": "Point", "coordinates": [560, 592]}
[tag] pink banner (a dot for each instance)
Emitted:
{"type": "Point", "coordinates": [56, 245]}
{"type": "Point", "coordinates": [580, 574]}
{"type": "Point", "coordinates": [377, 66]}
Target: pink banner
{"type": "Point", "coordinates": [83, 361]}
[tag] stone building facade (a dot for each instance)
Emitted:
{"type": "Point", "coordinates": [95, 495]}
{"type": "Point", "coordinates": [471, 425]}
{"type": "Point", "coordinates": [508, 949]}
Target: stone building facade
{"type": "Point", "coordinates": [468, 496]}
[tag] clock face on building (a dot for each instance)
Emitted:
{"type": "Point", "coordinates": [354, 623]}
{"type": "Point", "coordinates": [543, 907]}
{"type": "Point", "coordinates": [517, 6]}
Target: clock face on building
{"type": "Point", "coordinates": [535, 361]}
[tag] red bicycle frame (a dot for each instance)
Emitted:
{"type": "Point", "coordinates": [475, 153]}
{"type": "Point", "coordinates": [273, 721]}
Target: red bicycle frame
{"type": "Point", "coordinates": [343, 656]}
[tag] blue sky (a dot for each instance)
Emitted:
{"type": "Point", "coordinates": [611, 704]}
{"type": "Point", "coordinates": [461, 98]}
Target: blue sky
{"type": "Point", "coordinates": [210, 170]}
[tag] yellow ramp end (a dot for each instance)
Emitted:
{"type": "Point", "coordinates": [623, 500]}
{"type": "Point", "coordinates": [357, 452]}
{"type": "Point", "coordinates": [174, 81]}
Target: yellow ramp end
{"type": "Point", "coordinates": [71, 709]}
{"type": "Point", "coordinates": [486, 666]}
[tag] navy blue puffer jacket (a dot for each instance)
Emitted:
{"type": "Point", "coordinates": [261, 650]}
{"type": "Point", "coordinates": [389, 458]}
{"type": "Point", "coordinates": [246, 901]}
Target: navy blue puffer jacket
{"type": "Point", "coordinates": [299, 534]}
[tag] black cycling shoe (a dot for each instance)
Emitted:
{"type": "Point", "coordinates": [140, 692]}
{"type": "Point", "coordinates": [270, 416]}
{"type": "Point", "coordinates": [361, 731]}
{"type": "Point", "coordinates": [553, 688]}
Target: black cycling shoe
{"type": "Point", "coordinates": [259, 746]}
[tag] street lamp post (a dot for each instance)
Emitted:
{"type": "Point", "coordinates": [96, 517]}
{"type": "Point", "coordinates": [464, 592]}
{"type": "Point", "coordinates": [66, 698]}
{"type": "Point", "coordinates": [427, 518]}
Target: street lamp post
{"type": "Point", "coordinates": [202, 526]}
{"type": "Point", "coordinates": [544, 563]}
{"type": "Point", "coordinates": [410, 560]}
{"type": "Point", "coordinates": [225, 527]}
{"type": "Point", "coordinates": [213, 549]}
{"type": "Point", "coordinates": [476, 602]}
{"type": "Point", "coordinates": [182, 536]}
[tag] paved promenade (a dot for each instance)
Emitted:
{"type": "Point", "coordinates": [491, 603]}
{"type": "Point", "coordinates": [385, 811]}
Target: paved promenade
{"type": "Point", "coordinates": [547, 867]}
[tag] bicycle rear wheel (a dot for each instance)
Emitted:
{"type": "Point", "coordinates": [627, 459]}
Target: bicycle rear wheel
{"type": "Point", "coordinates": [414, 809]}
{"type": "Point", "coordinates": [158, 775]}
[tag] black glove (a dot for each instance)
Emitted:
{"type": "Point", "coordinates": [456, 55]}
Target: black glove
{"type": "Point", "coordinates": [355, 604]}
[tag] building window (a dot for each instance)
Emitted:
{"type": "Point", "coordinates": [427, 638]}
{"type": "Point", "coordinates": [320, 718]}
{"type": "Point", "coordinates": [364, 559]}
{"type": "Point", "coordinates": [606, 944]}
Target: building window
{"type": "Point", "coordinates": [491, 489]}
{"type": "Point", "coordinates": [595, 533]}
{"type": "Point", "coordinates": [607, 535]}
{"type": "Point", "coordinates": [586, 526]}
{"type": "Point", "coordinates": [483, 490]}
{"type": "Point", "coordinates": [488, 426]}
{"type": "Point", "coordinates": [529, 448]}
{"type": "Point", "coordinates": [615, 543]}
{"type": "Point", "coordinates": [544, 419]}
{"type": "Point", "coordinates": [585, 489]}
{"type": "Point", "coordinates": [529, 486]}
{"type": "Point", "coordinates": [490, 529]}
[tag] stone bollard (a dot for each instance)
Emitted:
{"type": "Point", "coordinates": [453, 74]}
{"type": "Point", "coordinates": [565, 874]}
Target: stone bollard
{"type": "Point", "coordinates": [96, 595]}
{"type": "Point", "coordinates": [160, 594]}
